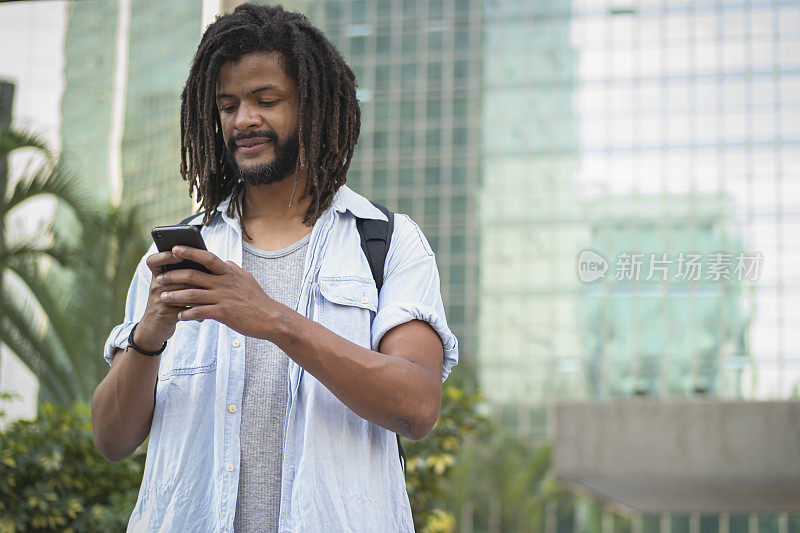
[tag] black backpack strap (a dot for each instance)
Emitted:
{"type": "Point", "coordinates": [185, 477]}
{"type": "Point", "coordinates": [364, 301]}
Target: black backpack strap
{"type": "Point", "coordinates": [376, 237]}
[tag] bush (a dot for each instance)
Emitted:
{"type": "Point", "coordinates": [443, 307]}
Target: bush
{"type": "Point", "coordinates": [53, 478]}
{"type": "Point", "coordinates": [431, 460]}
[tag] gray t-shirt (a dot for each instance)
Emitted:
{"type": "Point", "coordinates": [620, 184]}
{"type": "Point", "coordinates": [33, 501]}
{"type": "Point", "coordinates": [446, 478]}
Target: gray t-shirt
{"type": "Point", "coordinates": [265, 393]}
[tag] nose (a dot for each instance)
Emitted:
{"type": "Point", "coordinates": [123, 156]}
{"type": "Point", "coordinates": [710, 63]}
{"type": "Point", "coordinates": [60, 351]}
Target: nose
{"type": "Point", "coordinates": [246, 117]}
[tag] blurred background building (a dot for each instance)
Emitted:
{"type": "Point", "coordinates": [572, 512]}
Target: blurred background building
{"type": "Point", "coordinates": [126, 65]}
{"type": "Point", "coordinates": [519, 134]}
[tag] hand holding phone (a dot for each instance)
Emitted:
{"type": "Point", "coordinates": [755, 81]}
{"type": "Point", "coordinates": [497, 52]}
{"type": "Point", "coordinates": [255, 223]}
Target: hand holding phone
{"type": "Point", "coordinates": [167, 237]}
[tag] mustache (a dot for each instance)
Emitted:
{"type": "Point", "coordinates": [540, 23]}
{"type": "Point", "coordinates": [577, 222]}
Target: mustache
{"type": "Point", "coordinates": [265, 134]}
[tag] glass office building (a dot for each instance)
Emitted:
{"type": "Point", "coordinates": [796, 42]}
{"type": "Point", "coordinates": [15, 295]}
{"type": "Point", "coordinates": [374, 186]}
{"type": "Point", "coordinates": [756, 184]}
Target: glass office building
{"type": "Point", "coordinates": [528, 215]}
{"type": "Point", "coordinates": [653, 127]}
{"type": "Point", "coordinates": [681, 101]}
{"type": "Point", "coordinates": [88, 91]}
{"type": "Point", "coordinates": [159, 42]}
{"type": "Point", "coordinates": [163, 39]}
{"type": "Point", "coordinates": [418, 68]}
{"type": "Point", "coordinates": [640, 128]}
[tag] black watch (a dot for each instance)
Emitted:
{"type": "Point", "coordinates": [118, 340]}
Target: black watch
{"type": "Point", "coordinates": [144, 352]}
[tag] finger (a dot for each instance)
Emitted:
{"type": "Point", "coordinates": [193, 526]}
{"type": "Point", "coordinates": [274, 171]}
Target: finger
{"type": "Point", "coordinates": [157, 261]}
{"type": "Point", "coordinates": [172, 286]}
{"type": "Point", "coordinates": [199, 313]}
{"type": "Point", "coordinates": [204, 257]}
{"type": "Point", "coordinates": [186, 276]}
{"type": "Point", "coordinates": [186, 297]}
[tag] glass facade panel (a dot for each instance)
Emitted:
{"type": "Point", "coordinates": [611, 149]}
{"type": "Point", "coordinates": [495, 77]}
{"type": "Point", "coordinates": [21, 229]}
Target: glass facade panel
{"type": "Point", "coordinates": [88, 92]}
{"type": "Point", "coordinates": [160, 53]}
{"type": "Point", "coordinates": [160, 46]}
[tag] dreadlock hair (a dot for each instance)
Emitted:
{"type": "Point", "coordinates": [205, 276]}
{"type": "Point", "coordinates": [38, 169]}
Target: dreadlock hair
{"type": "Point", "coordinates": [329, 121]}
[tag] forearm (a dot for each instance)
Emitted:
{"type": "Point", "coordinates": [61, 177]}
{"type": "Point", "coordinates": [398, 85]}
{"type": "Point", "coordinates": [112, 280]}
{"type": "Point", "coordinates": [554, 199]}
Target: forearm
{"type": "Point", "coordinates": [122, 405]}
{"type": "Point", "coordinates": [399, 389]}
{"type": "Point", "coordinates": [390, 391]}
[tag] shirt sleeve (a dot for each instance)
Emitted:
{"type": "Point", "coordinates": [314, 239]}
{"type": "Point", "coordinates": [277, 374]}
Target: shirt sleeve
{"type": "Point", "coordinates": [411, 290]}
{"type": "Point", "coordinates": [135, 305]}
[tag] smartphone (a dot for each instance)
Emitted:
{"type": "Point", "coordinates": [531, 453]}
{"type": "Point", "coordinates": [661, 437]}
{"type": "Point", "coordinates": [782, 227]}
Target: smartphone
{"type": "Point", "coordinates": [166, 237]}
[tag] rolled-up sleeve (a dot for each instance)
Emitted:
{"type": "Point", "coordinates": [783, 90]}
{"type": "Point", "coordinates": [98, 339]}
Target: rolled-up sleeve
{"type": "Point", "coordinates": [135, 305]}
{"type": "Point", "coordinates": [411, 290]}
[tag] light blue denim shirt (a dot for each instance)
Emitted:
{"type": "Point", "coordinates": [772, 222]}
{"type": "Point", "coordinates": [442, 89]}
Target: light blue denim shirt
{"type": "Point", "coordinates": [340, 472]}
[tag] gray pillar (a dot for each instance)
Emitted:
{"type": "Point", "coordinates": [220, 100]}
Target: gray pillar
{"type": "Point", "coordinates": [6, 101]}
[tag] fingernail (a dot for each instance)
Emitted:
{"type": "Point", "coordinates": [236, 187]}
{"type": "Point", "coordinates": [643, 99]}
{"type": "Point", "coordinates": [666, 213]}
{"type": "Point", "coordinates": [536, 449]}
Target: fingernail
{"type": "Point", "coordinates": [166, 295]}
{"type": "Point", "coordinates": [160, 279]}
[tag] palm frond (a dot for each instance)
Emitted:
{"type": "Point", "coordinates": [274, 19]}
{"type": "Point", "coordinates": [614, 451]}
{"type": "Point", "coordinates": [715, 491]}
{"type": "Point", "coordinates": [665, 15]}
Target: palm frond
{"type": "Point", "coordinates": [66, 340]}
{"type": "Point", "coordinates": [53, 181]}
{"type": "Point", "coordinates": [35, 349]}
{"type": "Point", "coordinates": [86, 299]}
{"type": "Point", "coordinates": [26, 252]}
{"type": "Point", "coordinates": [11, 139]}
{"type": "Point", "coordinates": [26, 353]}
{"type": "Point", "coordinates": [83, 291]}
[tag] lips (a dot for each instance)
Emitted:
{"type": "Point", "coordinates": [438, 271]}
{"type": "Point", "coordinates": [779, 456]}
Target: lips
{"type": "Point", "coordinates": [249, 143]}
{"type": "Point", "coordinates": [248, 146]}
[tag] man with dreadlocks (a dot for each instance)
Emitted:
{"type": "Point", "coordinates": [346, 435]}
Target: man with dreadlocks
{"type": "Point", "coordinates": [272, 387]}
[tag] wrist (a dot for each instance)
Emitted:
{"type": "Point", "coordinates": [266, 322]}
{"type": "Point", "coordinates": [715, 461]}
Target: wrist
{"type": "Point", "coordinates": [144, 343]}
{"type": "Point", "coordinates": [278, 324]}
{"type": "Point", "coordinates": [148, 333]}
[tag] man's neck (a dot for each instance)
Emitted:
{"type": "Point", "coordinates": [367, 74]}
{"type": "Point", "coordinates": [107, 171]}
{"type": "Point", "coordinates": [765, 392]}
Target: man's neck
{"type": "Point", "coordinates": [273, 214]}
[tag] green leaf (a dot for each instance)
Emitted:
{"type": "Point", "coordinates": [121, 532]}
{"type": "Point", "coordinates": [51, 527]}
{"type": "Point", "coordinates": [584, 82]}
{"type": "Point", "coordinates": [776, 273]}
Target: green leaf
{"type": "Point", "coordinates": [41, 500]}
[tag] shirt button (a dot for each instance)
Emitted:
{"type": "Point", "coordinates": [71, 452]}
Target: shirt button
{"type": "Point", "coordinates": [232, 408]}
{"type": "Point", "coordinates": [236, 343]}
{"type": "Point", "coordinates": [364, 299]}
{"type": "Point", "coordinates": [229, 467]}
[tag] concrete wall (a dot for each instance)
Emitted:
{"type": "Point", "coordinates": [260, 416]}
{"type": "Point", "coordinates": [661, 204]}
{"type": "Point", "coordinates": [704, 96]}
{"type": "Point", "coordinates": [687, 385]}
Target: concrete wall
{"type": "Point", "coordinates": [682, 456]}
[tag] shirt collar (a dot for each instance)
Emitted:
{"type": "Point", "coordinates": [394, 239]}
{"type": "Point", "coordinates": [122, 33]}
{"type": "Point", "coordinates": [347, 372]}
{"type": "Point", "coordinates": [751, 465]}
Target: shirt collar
{"type": "Point", "coordinates": [223, 205]}
{"type": "Point", "coordinates": [345, 199]}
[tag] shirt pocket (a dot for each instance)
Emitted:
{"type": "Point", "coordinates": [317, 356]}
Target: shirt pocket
{"type": "Point", "coordinates": [347, 307]}
{"type": "Point", "coordinates": [191, 350]}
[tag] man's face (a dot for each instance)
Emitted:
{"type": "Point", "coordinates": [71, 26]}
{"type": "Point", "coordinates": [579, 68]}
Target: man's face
{"type": "Point", "coordinates": [258, 110]}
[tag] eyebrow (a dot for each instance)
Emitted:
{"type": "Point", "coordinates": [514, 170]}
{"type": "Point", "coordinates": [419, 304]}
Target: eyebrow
{"type": "Point", "coordinates": [268, 87]}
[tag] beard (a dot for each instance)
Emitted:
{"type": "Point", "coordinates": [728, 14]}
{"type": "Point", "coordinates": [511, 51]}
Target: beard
{"type": "Point", "coordinates": [284, 162]}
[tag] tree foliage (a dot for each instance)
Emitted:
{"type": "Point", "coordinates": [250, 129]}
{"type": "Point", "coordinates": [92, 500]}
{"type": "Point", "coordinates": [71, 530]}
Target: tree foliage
{"type": "Point", "coordinates": [431, 460]}
{"type": "Point", "coordinates": [54, 315]}
{"type": "Point", "coordinates": [470, 469]}
{"type": "Point", "coordinates": [53, 479]}
{"type": "Point", "coordinates": [502, 483]}
{"type": "Point", "coordinates": [48, 179]}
